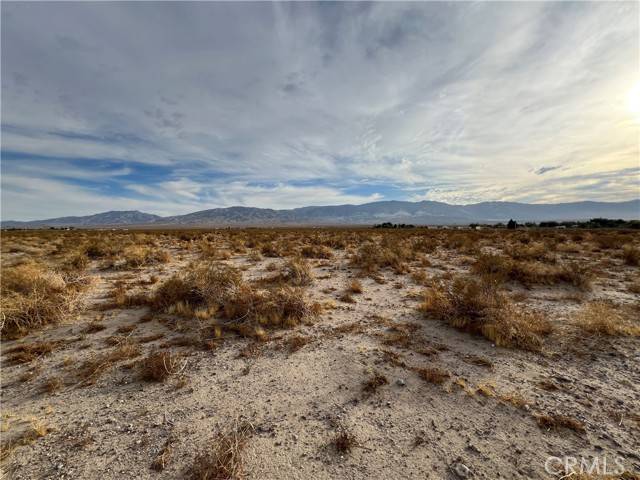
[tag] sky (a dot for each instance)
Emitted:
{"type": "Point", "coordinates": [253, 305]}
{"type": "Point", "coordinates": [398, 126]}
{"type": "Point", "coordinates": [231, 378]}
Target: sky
{"type": "Point", "coordinates": [171, 108]}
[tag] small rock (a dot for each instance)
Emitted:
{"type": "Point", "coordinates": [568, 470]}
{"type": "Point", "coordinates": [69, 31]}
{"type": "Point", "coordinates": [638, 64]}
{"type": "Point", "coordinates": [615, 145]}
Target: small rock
{"type": "Point", "coordinates": [400, 382]}
{"type": "Point", "coordinates": [461, 470]}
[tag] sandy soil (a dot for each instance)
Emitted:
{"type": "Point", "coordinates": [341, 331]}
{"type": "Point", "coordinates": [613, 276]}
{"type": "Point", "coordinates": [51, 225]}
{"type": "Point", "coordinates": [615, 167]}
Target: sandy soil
{"type": "Point", "coordinates": [297, 400]}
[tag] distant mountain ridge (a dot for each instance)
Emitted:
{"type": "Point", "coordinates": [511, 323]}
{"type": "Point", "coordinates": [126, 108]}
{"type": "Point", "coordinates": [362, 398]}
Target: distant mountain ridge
{"type": "Point", "coordinates": [126, 217]}
{"type": "Point", "coordinates": [418, 213]}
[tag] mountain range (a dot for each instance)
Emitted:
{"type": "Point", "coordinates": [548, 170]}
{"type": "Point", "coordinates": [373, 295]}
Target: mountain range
{"type": "Point", "coordinates": [418, 213]}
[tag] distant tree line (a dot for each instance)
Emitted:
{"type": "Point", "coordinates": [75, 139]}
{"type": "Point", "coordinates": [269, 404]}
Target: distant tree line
{"type": "Point", "coordinates": [593, 223]}
{"type": "Point", "coordinates": [44, 227]}
{"type": "Point", "coordinates": [393, 225]}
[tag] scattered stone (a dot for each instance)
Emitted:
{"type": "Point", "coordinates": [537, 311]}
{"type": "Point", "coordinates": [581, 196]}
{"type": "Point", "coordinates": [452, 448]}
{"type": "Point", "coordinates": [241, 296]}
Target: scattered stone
{"type": "Point", "coordinates": [461, 470]}
{"type": "Point", "coordinates": [401, 382]}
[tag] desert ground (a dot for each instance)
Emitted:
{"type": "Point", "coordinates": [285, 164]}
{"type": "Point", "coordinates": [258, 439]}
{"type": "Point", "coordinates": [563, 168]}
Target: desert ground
{"type": "Point", "coordinates": [319, 353]}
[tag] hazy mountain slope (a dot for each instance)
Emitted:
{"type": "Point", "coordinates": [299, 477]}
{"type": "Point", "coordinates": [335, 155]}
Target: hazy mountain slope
{"type": "Point", "coordinates": [126, 217]}
{"type": "Point", "coordinates": [425, 212]}
{"type": "Point", "coordinates": [499, 211]}
{"type": "Point", "coordinates": [226, 216]}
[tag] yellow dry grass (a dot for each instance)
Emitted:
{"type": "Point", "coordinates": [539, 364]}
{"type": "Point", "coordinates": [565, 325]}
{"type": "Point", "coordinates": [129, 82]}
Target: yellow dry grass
{"type": "Point", "coordinates": [34, 296]}
{"type": "Point", "coordinates": [479, 307]}
{"type": "Point", "coordinates": [602, 318]}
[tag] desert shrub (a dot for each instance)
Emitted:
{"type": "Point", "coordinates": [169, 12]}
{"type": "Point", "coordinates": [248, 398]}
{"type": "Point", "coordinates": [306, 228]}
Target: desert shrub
{"type": "Point", "coordinates": [497, 267]}
{"type": "Point", "coordinates": [121, 298]}
{"type": "Point", "coordinates": [578, 275]}
{"type": "Point", "coordinates": [601, 318]}
{"type": "Point", "coordinates": [138, 256]}
{"type": "Point", "coordinates": [297, 272]}
{"type": "Point", "coordinates": [204, 284]}
{"type": "Point", "coordinates": [211, 251]}
{"type": "Point", "coordinates": [370, 257]}
{"type": "Point", "coordinates": [246, 308]}
{"type": "Point", "coordinates": [463, 242]}
{"type": "Point", "coordinates": [175, 289]}
{"type": "Point", "coordinates": [207, 248]}
{"type": "Point", "coordinates": [433, 375]}
{"type": "Point", "coordinates": [281, 307]}
{"type": "Point", "coordinates": [420, 277]}
{"type": "Point", "coordinates": [271, 250]}
{"type": "Point", "coordinates": [213, 281]}
{"type": "Point", "coordinates": [524, 239]}
{"type": "Point", "coordinates": [425, 244]}
{"type": "Point", "coordinates": [514, 327]}
{"type": "Point", "coordinates": [557, 421]}
{"type": "Point", "coordinates": [335, 241]}
{"type": "Point", "coordinates": [316, 251]}
{"type": "Point", "coordinates": [478, 307]}
{"type": "Point", "coordinates": [354, 286]}
{"type": "Point", "coordinates": [237, 246]}
{"type": "Point", "coordinates": [98, 248]}
{"type": "Point", "coordinates": [255, 256]}
{"type": "Point", "coordinates": [223, 459]}
{"type": "Point", "coordinates": [500, 268]}
{"type": "Point", "coordinates": [187, 236]}
{"type": "Point", "coordinates": [143, 239]}
{"type": "Point", "coordinates": [365, 258]}
{"type": "Point", "coordinates": [577, 237]}
{"type": "Point", "coordinates": [531, 273]}
{"type": "Point", "coordinates": [465, 302]}
{"type": "Point", "coordinates": [532, 251]}
{"type": "Point", "coordinates": [631, 255]}
{"type": "Point", "coordinates": [550, 243]}
{"type": "Point", "coordinates": [158, 366]}
{"type": "Point", "coordinates": [346, 297]}
{"type": "Point", "coordinates": [371, 385]}
{"type": "Point", "coordinates": [295, 343]}
{"type": "Point", "coordinates": [28, 352]}
{"type": "Point", "coordinates": [8, 444]}
{"type": "Point", "coordinates": [344, 441]}
{"type": "Point", "coordinates": [77, 261]}
{"type": "Point", "coordinates": [164, 456]}
{"type": "Point", "coordinates": [98, 364]}
{"type": "Point", "coordinates": [52, 384]}
{"type": "Point", "coordinates": [30, 276]}
{"type": "Point", "coordinates": [455, 241]}
{"type": "Point", "coordinates": [570, 247]}
{"type": "Point", "coordinates": [609, 241]}
{"type": "Point", "coordinates": [34, 296]}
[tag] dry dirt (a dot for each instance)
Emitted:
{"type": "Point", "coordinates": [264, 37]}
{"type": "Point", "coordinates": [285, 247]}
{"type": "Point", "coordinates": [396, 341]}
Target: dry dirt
{"type": "Point", "coordinates": [297, 401]}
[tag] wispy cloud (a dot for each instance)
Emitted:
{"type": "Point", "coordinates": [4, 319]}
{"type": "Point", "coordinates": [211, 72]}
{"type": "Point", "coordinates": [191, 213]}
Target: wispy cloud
{"type": "Point", "coordinates": [172, 107]}
{"type": "Point", "coordinates": [543, 170]}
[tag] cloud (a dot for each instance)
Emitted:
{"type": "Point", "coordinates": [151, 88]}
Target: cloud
{"type": "Point", "coordinates": [244, 103]}
{"type": "Point", "coordinates": [26, 191]}
{"type": "Point", "coordinates": [543, 170]}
